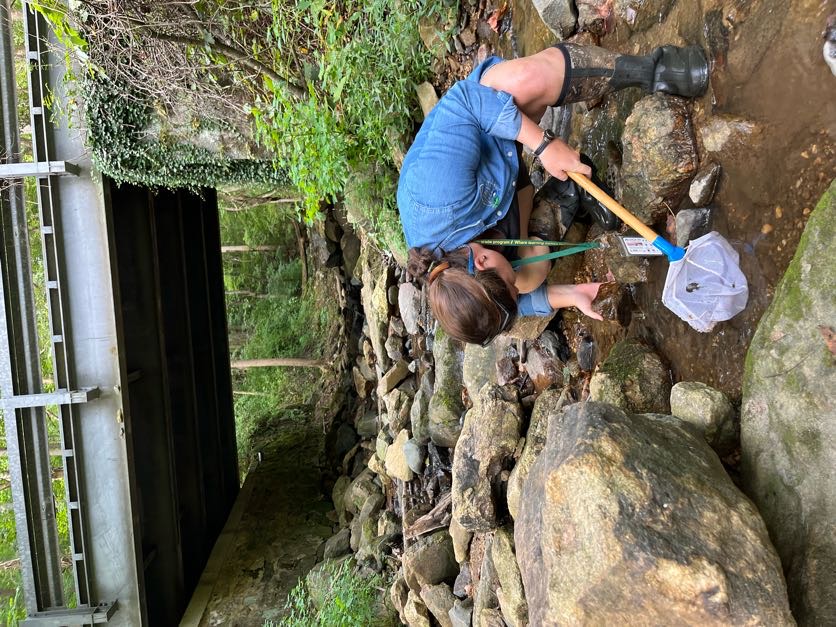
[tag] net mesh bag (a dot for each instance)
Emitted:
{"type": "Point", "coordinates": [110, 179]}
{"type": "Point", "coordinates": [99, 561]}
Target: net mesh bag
{"type": "Point", "coordinates": [706, 286]}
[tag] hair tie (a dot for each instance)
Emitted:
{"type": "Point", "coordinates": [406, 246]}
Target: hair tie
{"type": "Point", "coordinates": [438, 270]}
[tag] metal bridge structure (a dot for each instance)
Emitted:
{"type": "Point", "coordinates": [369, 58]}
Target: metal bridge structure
{"type": "Point", "coordinates": [139, 393]}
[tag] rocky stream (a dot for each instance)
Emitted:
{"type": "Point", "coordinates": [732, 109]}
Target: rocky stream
{"type": "Point", "coordinates": [629, 471]}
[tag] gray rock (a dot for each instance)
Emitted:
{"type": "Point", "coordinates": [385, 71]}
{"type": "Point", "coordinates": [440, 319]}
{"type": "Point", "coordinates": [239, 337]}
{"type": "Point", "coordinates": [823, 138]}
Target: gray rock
{"type": "Point", "coordinates": [362, 385]}
{"type": "Point", "coordinates": [409, 304]}
{"type": "Point", "coordinates": [660, 156]}
{"type": "Point", "coordinates": [704, 184]}
{"type": "Point", "coordinates": [366, 424]}
{"type": "Point", "coordinates": [460, 615]}
{"type": "Point", "coordinates": [392, 294]}
{"type": "Point", "coordinates": [642, 14]}
{"type": "Point", "coordinates": [430, 561]}
{"type": "Point", "coordinates": [393, 376]}
{"type": "Point", "coordinates": [560, 16]}
{"type": "Point", "coordinates": [484, 597]}
{"type": "Point", "coordinates": [464, 581]}
{"type": "Point", "coordinates": [691, 224]}
{"type": "Point", "coordinates": [396, 325]}
{"type": "Point", "coordinates": [394, 348]}
{"type": "Point", "coordinates": [415, 612]}
{"type": "Point", "coordinates": [491, 617]}
{"type": "Point", "coordinates": [398, 405]}
{"type": "Point", "coordinates": [479, 366]}
{"type": "Point", "coordinates": [724, 132]}
{"type": "Point", "coordinates": [510, 593]}
{"type": "Point", "coordinates": [633, 378]}
{"type": "Point", "coordinates": [439, 600]}
{"type": "Point", "coordinates": [542, 362]}
{"type": "Point", "coordinates": [788, 419]}
{"type": "Point", "coordinates": [399, 593]}
{"type": "Point", "coordinates": [709, 411]}
{"type": "Point", "coordinates": [338, 545]}
{"type": "Point", "coordinates": [461, 541]}
{"type": "Point", "coordinates": [350, 245]}
{"type": "Point", "coordinates": [529, 327]}
{"type": "Point", "coordinates": [364, 525]}
{"type": "Point", "coordinates": [373, 296]}
{"type": "Point", "coordinates": [381, 444]}
{"type": "Point", "coordinates": [489, 437]}
{"type": "Point", "coordinates": [414, 455]}
{"type": "Point", "coordinates": [359, 490]}
{"type": "Point", "coordinates": [663, 535]}
{"type": "Point", "coordinates": [338, 496]}
{"type": "Point", "coordinates": [547, 405]}
{"type": "Point", "coordinates": [419, 416]}
{"type": "Point", "coordinates": [446, 405]}
{"type": "Point", "coordinates": [427, 97]}
{"type": "Point", "coordinates": [593, 14]}
{"type": "Point", "coordinates": [396, 464]}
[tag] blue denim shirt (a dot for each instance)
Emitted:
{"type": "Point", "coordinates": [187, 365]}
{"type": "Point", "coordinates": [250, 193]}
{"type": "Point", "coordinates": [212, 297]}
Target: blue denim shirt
{"type": "Point", "coordinates": [459, 177]}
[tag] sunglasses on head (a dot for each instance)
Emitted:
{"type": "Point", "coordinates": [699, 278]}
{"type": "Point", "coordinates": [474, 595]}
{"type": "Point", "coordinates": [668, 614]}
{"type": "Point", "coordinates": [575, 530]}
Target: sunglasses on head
{"type": "Point", "coordinates": [506, 318]}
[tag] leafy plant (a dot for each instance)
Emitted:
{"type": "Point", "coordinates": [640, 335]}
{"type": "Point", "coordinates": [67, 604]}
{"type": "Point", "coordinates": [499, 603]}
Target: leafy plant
{"type": "Point", "coordinates": [360, 97]}
{"type": "Point", "coordinates": [345, 600]}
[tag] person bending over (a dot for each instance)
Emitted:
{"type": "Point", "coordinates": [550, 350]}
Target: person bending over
{"type": "Point", "coordinates": [462, 178]}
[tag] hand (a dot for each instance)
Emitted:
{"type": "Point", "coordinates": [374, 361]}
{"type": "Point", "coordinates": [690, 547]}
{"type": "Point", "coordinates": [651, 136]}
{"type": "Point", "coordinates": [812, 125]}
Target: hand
{"type": "Point", "coordinates": [585, 294]}
{"type": "Point", "coordinates": [558, 158]}
{"type": "Point", "coordinates": [580, 296]}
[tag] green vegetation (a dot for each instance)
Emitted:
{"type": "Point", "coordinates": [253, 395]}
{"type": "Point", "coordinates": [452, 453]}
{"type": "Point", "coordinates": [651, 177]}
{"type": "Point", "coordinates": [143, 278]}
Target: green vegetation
{"type": "Point", "coordinates": [312, 92]}
{"type": "Point", "coordinates": [343, 599]}
{"type": "Point", "coordinates": [271, 314]}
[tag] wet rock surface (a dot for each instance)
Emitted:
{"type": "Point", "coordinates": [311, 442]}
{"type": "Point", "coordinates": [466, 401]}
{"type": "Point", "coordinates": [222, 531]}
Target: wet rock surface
{"type": "Point", "coordinates": [788, 420]}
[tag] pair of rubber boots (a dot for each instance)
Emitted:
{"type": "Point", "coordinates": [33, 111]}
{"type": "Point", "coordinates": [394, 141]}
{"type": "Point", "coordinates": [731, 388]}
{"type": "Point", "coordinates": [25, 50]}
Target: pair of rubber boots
{"type": "Point", "coordinates": [578, 204]}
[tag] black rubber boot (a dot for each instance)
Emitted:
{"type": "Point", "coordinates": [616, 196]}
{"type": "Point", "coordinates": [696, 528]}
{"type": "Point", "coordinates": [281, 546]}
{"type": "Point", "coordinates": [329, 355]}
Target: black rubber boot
{"type": "Point", "coordinates": [555, 199]}
{"type": "Point", "coordinates": [591, 207]}
{"type": "Point", "coordinates": [593, 72]}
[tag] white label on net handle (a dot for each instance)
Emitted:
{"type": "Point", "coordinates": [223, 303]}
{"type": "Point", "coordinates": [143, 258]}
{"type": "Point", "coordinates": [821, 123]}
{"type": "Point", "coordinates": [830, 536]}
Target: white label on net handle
{"type": "Point", "coordinates": [639, 246]}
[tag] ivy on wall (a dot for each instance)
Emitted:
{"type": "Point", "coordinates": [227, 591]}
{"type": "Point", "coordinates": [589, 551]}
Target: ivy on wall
{"type": "Point", "coordinates": [118, 123]}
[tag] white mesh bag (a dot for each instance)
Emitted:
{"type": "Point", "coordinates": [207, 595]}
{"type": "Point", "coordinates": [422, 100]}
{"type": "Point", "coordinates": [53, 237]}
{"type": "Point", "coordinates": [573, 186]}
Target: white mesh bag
{"type": "Point", "coordinates": [706, 286]}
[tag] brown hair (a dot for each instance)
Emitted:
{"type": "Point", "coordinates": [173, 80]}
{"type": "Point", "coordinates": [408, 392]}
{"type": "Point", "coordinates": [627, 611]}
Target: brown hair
{"type": "Point", "coordinates": [465, 305]}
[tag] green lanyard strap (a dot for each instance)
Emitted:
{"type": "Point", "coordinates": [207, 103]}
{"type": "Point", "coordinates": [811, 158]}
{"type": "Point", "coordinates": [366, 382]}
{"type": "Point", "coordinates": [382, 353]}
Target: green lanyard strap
{"type": "Point", "coordinates": [574, 248]}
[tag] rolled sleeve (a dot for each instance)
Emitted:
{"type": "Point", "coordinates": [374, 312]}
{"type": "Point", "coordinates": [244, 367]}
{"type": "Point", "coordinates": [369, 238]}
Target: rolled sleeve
{"type": "Point", "coordinates": [535, 303]}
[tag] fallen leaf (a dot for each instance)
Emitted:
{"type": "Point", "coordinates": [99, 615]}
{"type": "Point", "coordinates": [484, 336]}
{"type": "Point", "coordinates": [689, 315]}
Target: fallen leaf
{"type": "Point", "coordinates": [496, 17]}
{"type": "Point", "coordinates": [829, 338]}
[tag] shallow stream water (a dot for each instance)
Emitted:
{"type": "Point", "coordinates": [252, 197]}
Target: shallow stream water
{"type": "Point", "coordinates": [772, 105]}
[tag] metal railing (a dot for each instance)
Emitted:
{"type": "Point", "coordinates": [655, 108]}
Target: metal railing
{"type": "Point", "coordinates": [22, 399]}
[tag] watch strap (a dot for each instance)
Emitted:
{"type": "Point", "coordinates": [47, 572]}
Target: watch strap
{"type": "Point", "coordinates": [548, 137]}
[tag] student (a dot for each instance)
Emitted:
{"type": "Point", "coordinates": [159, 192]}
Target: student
{"type": "Point", "coordinates": [462, 178]}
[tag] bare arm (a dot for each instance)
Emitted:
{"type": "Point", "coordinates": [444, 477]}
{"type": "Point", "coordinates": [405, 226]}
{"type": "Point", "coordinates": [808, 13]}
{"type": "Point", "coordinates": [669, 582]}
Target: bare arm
{"type": "Point", "coordinates": [580, 296]}
{"type": "Point", "coordinates": [558, 157]}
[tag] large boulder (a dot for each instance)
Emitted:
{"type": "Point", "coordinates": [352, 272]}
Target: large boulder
{"type": "Point", "coordinates": [633, 520]}
{"type": "Point", "coordinates": [633, 378]}
{"type": "Point", "coordinates": [660, 156]}
{"type": "Point", "coordinates": [446, 407]}
{"type": "Point", "coordinates": [788, 420]}
{"type": "Point", "coordinates": [489, 438]}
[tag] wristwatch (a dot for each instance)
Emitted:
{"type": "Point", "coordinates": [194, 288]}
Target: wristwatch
{"type": "Point", "coordinates": [548, 136]}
